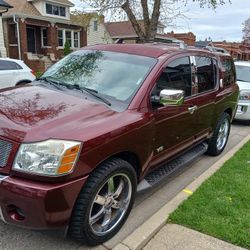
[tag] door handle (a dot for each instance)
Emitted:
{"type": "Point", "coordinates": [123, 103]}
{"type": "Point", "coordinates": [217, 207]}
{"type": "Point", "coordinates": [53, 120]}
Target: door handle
{"type": "Point", "coordinates": [192, 109]}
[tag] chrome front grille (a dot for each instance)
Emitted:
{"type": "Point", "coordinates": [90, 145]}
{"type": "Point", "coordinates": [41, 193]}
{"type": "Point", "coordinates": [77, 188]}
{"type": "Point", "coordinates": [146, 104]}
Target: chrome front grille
{"type": "Point", "coordinates": [5, 149]}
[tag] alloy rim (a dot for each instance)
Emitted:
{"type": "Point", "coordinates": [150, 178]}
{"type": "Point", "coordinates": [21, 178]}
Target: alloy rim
{"type": "Point", "coordinates": [222, 135]}
{"type": "Point", "coordinates": [110, 204]}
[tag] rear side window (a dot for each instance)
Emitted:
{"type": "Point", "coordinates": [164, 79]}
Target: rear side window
{"type": "Point", "coordinates": [230, 73]}
{"type": "Point", "coordinates": [8, 65]}
{"type": "Point", "coordinates": [206, 73]}
{"type": "Point", "coordinates": [177, 75]}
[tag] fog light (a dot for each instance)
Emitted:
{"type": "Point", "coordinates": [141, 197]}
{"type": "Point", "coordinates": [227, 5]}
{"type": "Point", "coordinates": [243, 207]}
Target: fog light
{"type": "Point", "coordinates": [15, 213]}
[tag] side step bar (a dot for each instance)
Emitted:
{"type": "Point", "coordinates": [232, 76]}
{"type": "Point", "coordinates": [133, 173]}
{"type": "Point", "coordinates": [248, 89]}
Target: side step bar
{"type": "Point", "coordinates": [160, 174]}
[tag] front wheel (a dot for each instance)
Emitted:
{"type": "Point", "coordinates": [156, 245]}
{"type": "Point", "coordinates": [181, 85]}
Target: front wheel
{"type": "Point", "coordinates": [220, 136]}
{"type": "Point", "coordinates": [104, 203]}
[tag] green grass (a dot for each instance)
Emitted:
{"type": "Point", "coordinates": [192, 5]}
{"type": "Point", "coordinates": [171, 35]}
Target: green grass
{"type": "Point", "coordinates": [221, 206]}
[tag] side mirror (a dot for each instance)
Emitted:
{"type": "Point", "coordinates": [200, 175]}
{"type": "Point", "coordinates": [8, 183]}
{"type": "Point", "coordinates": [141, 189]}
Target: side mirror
{"type": "Point", "coordinates": [172, 97]}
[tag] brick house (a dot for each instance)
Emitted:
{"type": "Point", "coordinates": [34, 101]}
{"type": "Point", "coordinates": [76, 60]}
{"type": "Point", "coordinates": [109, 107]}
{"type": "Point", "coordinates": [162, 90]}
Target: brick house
{"type": "Point", "coordinates": [36, 31]}
{"type": "Point", "coordinates": [188, 38]}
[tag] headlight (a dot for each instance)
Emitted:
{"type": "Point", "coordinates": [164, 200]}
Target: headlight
{"type": "Point", "coordinates": [244, 95]}
{"type": "Point", "coordinates": [50, 158]}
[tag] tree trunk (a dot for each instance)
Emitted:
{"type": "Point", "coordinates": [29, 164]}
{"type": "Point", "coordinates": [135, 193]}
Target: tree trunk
{"type": "Point", "coordinates": [154, 20]}
{"type": "Point", "coordinates": [144, 4]}
{"type": "Point", "coordinates": [133, 20]}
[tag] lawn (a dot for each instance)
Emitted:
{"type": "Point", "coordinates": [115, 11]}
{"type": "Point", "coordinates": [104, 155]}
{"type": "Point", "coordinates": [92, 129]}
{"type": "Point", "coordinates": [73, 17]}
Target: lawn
{"type": "Point", "coordinates": [221, 206]}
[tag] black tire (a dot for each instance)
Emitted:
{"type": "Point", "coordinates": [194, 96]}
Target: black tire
{"type": "Point", "coordinates": [212, 143]}
{"type": "Point", "coordinates": [80, 227]}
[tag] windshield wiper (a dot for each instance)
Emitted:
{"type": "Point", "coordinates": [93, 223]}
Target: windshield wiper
{"type": "Point", "coordinates": [52, 82]}
{"type": "Point", "coordinates": [93, 92]}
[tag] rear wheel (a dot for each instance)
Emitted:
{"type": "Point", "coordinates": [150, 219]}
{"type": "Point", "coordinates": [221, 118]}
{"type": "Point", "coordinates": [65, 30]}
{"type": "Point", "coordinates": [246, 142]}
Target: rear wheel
{"type": "Point", "coordinates": [220, 136]}
{"type": "Point", "coordinates": [104, 203]}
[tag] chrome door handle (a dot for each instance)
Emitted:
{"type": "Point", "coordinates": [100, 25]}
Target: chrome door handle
{"type": "Point", "coordinates": [192, 109]}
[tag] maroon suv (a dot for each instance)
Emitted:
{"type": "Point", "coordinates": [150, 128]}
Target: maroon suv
{"type": "Point", "coordinates": [102, 123]}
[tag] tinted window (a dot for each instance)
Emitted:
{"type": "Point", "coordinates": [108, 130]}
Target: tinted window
{"type": "Point", "coordinates": [7, 65]}
{"type": "Point", "coordinates": [243, 73]}
{"type": "Point", "coordinates": [177, 75]}
{"type": "Point", "coordinates": [206, 73]}
{"type": "Point", "coordinates": [230, 74]}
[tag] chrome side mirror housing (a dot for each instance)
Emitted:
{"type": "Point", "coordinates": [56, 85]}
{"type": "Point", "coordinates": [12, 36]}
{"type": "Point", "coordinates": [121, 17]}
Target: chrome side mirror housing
{"type": "Point", "coordinates": [171, 97]}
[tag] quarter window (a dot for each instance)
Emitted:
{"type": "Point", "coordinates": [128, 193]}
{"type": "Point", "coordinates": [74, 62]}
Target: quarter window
{"type": "Point", "coordinates": [177, 75]}
{"type": "Point", "coordinates": [206, 74]}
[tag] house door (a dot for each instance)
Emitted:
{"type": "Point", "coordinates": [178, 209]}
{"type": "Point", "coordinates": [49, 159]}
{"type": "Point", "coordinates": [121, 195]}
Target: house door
{"type": "Point", "coordinates": [31, 40]}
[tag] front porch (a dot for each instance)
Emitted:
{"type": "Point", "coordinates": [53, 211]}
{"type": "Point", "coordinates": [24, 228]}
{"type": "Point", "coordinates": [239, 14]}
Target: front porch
{"type": "Point", "coordinates": [40, 43]}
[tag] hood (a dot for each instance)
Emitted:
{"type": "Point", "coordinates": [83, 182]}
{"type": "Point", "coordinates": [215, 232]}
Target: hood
{"type": "Point", "coordinates": [34, 113]}
{"type": "Point", "coordinates": [243, 85]}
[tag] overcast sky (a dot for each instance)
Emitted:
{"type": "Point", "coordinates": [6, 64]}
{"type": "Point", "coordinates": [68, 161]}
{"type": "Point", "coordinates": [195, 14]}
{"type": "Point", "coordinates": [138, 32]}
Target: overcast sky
{"type": "Point", "coordinates": [224, 23]}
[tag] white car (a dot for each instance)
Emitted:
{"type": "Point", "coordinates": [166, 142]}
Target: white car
{"type": "Point", "coordinates": [14, 72]}
{"type": "Point", "coordinates": [243, 80]}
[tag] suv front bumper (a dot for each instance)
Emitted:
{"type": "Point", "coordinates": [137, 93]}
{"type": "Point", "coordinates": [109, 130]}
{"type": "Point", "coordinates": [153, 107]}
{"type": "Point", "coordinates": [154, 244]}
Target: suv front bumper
{"type": "Point", "coordinates": [243, 111]}
{"type": "Point", "coordinates": [37, 205]}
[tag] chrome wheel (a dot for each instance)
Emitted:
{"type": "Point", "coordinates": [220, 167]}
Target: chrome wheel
{"type": "Point", "coordinates": [223, 135]}
{"type": "Point", "coordinates": [110, 204]}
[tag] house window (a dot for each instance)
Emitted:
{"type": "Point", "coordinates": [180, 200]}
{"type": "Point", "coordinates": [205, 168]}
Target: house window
{"type": "Point", "coordinates": [60, 38]}
{"type": "Point", "coordinates": [73, 37]}
{"type": "Point", "coordinates": [95, 26]}
{"type": "Point", "coordinates": [76, 39]}
{"type": "Point", "coordinates": [68, 37]}
{"type": "Point", "coordinates": [44, 37]}
{"type": "Point", "coordinates": [55, 10]}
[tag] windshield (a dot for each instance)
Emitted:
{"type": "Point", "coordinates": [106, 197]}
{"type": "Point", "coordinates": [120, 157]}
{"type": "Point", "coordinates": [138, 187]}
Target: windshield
{"type": "Point", "coordinates": [243, 73]}
{"type": "Point", "coordinates": [115, 75]}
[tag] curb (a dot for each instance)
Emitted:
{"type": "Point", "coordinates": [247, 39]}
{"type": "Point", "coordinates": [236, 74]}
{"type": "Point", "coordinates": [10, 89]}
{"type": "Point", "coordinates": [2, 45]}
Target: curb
{"type": "Point", "coordinates": [142, 235]}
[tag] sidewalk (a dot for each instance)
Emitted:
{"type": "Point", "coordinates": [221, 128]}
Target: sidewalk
{"type": "Point", "coordinates": [156, 234]}
{"type": "Point", "coordinates": [176, 237]}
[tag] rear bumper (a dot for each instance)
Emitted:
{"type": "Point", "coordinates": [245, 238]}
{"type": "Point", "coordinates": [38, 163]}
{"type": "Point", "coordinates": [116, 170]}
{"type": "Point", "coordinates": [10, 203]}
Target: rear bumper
{"type": "Point", "coordinates": [243, 111]}
{"type": "Point", "coordinates": [37, 205]}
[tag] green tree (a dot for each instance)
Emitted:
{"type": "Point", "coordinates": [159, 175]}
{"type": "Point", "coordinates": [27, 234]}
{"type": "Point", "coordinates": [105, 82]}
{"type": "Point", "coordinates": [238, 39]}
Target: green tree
{"type": "Point", "coordinates": [150, 11]}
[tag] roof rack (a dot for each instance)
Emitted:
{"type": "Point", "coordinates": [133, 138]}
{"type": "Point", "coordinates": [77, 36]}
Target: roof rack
{"type": "Point", "coordinates": [181, 45]}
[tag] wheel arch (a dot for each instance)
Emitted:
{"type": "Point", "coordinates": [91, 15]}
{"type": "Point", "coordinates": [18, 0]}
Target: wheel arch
{"type": "Point", "coordinates": [130, 157]}
{"type": "Point", "coordinates": [23, 82]}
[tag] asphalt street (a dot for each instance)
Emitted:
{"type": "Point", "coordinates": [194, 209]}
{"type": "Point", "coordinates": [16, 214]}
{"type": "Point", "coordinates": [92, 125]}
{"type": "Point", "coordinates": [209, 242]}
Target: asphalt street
{"type": "Point", "coordinates": [146, 205]}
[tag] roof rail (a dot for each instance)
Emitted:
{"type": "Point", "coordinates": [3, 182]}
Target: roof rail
{"type": "Point", "coordinates": [181, 45]}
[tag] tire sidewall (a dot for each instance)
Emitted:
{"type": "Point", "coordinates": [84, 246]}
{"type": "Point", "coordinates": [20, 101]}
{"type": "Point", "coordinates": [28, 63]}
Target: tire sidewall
{"type": "Point", "coordinates": [90, 237]}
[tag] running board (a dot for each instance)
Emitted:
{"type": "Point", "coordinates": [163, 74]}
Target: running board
{"type": "Point", "coordinates": [164, 171]}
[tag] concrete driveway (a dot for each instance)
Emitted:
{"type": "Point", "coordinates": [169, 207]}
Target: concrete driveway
{"type": "Point", "coordinates": [145, 206]}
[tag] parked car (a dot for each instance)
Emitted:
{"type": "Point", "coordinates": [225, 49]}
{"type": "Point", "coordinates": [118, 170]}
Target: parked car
{"type": "Point", "coordinates": [102, 123]}
{"type": "Point", "coordinates": [243, 80]}
{"type": "Point", "coordinates": [14, 72]}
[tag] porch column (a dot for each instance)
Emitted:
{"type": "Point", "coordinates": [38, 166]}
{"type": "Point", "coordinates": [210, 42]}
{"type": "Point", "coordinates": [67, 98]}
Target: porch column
{"type": "Point", "coordinates": [52, 37]}
{"type": "Point", "coordinates": [23, 37]}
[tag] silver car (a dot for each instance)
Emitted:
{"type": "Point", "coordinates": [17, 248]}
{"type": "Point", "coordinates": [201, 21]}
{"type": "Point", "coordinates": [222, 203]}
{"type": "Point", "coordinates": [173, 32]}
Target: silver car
{"type": "Point", "coordinates": [243, 80]}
